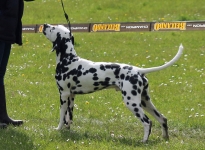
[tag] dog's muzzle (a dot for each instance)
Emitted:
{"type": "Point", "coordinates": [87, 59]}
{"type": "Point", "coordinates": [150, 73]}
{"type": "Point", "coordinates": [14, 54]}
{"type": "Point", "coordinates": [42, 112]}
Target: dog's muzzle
{"type": "Point", "coordinates": [44, 28]}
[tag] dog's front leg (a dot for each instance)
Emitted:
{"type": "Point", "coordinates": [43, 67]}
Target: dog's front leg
{"type": "Point", "coordinates": [63, 108]}
{"type": "Point", "coordinates": [69, 115]}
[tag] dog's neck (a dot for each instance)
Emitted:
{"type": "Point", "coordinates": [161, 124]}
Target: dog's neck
{"type": "Point", "coordinates": [66, 53]}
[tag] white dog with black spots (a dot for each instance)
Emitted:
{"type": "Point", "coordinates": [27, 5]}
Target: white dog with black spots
{"type": "Point", "coordinates": [75, 75]}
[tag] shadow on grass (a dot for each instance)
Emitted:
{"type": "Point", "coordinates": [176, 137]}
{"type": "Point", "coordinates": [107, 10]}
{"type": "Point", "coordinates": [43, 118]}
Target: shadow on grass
{"type": "Point", "coordinates": [104, 137]}
{"type": "Point", "coordinates": [12, 139]}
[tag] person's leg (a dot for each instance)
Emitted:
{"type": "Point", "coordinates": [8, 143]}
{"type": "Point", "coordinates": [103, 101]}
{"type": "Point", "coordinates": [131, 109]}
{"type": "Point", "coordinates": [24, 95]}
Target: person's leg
{"type": "Point", "coordinates": [5, 49]}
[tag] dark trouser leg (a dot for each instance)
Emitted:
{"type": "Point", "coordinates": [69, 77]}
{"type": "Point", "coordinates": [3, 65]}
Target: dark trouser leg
{"type": "Point", "coordinates": [4, 56]}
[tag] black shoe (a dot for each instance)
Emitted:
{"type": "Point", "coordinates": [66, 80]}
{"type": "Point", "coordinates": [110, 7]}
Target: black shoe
{"type": "Point", "coordinates": [4, 118]}
{"type": "Point", "coordinates": [9, 121]}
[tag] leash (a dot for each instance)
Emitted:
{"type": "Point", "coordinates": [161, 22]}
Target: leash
{"type": "Point", "coordinates": [68, 21]}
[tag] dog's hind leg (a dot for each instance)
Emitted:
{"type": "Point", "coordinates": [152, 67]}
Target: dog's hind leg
{"type": "Point", "coordinates": [69, 113]}
{"type": "Point", "coordinates": [150, 108]}
{"type": "Point", "coordinates": [134, 105]}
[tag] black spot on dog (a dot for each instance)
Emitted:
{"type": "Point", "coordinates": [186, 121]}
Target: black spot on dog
{"type": "Point", "coordinates": [79, 67]}
{"type": "Point", "coordinates": [140, 83]}
{"type": "Point", "coordinates": [122, 76]}
{"type": "Point", "coordinates": [134, 92]}
{"type": "Point", "coordinates": [96, 88]}
{"type": "Point", "coordinates": [75, 78]}
{"type": "Point", "coordinates": [147, 98]}
{"type": "Point", "coordinates": [127, 77]}
{"type": "Point", "coordinates": [68, 85]}
{"type": "Point", "coordinates": [102, 67]}
{"type": "Point", "coordinates": [96, 84]}
{"type": "Point", "coordinates": [134, 87]}
{"type": "Point", "coordinates": [133, 80]}
{"type": "Point", "coordinates": [58, 77]}
{"type": "Point", "coordinates": [138, 115]}
{"type": "Point", "coordinates": [95, 78]}
{"type": "Point", "coordinates": [79, 73]}
{"type": "Point", "coordinates": [78, 92]}
{"type": "Point", "coordinates": [95, 74]}
{"type": "Point", "coordinates": [134, 104]}
{"type": "Point", "coordinates": [124, 93]}
{"type": "Point", "coordinates": [156, 113]}
{"type": "Point", "coordinates": [73, 88]}
{"type": "Point", "coordinates": [107, 79]}
{"type": "Point", "coordinates": [146, 119]}
{"type": "Point", "coordinates": [121, 84]}
{"type": "Point", "coordinates": [130, 68]}
{"type": "Point", "coordinates": [104, 83]}
{"type": "Point", "coordinates": [136, 109]}
{"type": "Point", "coordinates": [165, 125]}
{"type": "Point", "coordinates": [92, 70]}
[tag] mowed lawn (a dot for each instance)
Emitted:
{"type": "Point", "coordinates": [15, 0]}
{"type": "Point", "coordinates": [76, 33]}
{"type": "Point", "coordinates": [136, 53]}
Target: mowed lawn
{"type": "Point", "coordinates": [101, 120]}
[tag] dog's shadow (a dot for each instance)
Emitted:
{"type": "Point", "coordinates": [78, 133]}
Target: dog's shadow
{"type": "Point", "coordinates": [78, 136]}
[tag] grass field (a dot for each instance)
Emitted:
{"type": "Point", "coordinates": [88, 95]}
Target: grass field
{"type": "Point", "coordinates": [101, 121]}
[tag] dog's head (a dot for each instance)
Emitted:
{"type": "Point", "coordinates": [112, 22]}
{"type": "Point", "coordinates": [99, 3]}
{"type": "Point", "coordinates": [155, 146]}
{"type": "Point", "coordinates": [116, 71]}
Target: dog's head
{"type": "Point", "coordinates": [59, 36]}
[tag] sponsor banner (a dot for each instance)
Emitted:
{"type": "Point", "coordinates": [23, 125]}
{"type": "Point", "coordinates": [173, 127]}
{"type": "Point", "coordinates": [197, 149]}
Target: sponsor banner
{"type": "Point", "coordinates": [167, 26]}
{"type": "Point", "coordinates": [29, 29]}
{"type": "Point", "coordinates": [105, 27]}
{"type": "Point", "coordinates": [195, 26]}
{"type": "Point", "coordinates": [124, 27]}
{"type": "Point", "coordinates": [135, 26]}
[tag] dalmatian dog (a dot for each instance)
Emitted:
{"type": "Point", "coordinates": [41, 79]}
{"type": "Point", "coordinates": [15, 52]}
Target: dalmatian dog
{"type": "Point", "coordinates": [75, 75]}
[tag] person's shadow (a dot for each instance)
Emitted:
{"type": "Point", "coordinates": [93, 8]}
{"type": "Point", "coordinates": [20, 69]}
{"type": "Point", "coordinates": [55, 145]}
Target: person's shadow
{"type": "Point", "coordinates": [12, 139]}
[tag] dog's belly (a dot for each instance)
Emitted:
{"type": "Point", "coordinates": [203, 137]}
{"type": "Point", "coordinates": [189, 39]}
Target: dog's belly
{"type": "Point", "coordinates": [91, 90]}
{"type": "Point", "coordinates": [88, 86]}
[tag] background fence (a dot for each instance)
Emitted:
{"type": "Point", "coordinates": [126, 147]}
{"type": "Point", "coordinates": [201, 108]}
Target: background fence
{"type": "Point", "coordinates": [125, 27]}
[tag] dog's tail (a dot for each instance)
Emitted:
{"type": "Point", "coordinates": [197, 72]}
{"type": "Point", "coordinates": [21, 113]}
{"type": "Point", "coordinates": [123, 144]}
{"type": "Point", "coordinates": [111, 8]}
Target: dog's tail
{"type": "Point", "coordinates": [171, 62]}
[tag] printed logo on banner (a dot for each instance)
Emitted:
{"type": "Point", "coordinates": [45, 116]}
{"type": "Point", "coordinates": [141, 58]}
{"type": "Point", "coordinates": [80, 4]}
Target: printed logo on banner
{"type": "Point", "coordinates": [106, 27]}
{"type": "Point", "coordinates": [40, 28]}
{"type": "Point", "coordinates": [27, 29]}
{"type": "Point", "coordinates": [137, 27]}
{"type": "Point", "coordinates": [198, 25]}
{"type": "Point", "coordinates": [170, 25]}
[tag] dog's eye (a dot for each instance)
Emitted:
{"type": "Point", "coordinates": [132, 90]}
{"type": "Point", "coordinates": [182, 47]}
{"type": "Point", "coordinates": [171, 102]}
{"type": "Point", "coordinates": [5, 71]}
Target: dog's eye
{"type": "Point", "coordinates": [51, 30]}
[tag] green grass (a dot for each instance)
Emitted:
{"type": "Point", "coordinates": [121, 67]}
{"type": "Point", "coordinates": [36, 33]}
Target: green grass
{"type": "Point", "coordinates": [101, 121]}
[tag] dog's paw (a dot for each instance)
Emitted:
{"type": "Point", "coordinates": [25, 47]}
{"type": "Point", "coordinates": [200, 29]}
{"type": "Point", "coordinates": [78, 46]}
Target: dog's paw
{"type": "Point", "coordinates": [58, 128]}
